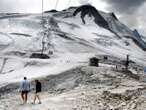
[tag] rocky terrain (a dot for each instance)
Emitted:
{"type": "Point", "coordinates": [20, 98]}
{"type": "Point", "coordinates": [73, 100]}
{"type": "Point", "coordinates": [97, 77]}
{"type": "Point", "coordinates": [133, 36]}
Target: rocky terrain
{"type": "Point", "coordinates": [82, 88]}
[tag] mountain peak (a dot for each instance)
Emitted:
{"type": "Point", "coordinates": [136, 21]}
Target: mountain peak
{"type": "Point", "coordinates": [91, 11]}
{"type": "Point", "coordinates": [136, 33]}
{"type": "Point", "coordinates": [53, 11]}
{"type": "Point", "coordinates": [114, 16]}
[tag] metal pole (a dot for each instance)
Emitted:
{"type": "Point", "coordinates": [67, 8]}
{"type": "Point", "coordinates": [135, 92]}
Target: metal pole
{"type": "Point", "coordinates": [42, 27]}
{"type": "Point", "coordinates": [127, 62]}
{"type": "Point", "coordinates": [42, 9]}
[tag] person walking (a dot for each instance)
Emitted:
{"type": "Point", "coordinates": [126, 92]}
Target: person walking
{"type": "Point", "coordinates": [24, 88]}
{"type": "Point", "coordinates": [38, 90]}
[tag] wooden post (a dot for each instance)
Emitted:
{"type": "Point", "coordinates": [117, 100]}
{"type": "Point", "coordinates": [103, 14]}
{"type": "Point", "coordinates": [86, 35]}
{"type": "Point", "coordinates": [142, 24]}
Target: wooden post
{"type": "Point", "coordinates": [127, 62]}
{"type": "Point", "coordinates": [43, 47]}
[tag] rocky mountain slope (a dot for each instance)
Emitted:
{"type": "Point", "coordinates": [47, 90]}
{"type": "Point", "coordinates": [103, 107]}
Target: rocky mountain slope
{"type": "Point", "coordinates": [98, 32]}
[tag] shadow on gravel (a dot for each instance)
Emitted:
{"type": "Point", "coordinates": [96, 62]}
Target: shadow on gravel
{"type": "Point", "coordinates": [59, 83]}
{"type": "Point", "coordinates": [73, 78]}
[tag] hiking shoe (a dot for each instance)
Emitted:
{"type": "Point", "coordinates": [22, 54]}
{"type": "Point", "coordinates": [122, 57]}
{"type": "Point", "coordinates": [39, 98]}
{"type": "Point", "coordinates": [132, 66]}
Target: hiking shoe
{"type": "Point", "coordinates": [33, 103]}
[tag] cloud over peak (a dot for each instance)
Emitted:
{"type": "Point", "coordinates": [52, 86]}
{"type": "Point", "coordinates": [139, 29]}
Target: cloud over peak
{"type": "Point", "coordinates": [124, 6]}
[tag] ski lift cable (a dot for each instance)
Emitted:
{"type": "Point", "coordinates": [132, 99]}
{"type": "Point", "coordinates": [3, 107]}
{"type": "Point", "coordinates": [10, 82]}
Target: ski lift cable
{"type": "Point", "coordinates": [56, 4]}
{"type": "Point", "coordinates": [68, 3]}
{"type": "Point", "coordinates": [51, 4]}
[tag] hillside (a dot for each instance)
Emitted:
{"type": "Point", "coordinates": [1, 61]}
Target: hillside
{"type": "Point", "coordinates": [70, 38]}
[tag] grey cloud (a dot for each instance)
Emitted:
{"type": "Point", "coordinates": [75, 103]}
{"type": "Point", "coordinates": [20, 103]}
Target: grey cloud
{"type": "Point", "coordinates": [12, 6]}
{"type": "Point", "coordinates": [83, 1]}
{"type": "Point", "coordinates": [131, 12]}
{"type": "Point", "coordinates": [124, 6]}
{"type": "Point", "coordinates": [8, 6]}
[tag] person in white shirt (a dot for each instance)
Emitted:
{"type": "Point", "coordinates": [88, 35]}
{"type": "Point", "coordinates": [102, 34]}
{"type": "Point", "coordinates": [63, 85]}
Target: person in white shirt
{"type": "Point", "coordinates": [24, 89]}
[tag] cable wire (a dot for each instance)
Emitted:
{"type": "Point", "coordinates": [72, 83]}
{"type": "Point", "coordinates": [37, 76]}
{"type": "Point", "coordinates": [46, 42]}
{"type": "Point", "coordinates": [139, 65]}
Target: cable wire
{"type": "Point", "coordinates": [56, 4]}
{"type": "Point", "coordinates": [68, 3]}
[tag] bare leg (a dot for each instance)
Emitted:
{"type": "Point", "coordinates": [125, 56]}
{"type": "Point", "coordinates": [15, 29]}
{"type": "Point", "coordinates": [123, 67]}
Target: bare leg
{"type": "Point", "coordinates": [39, 98]}
{"type": "Point", "coordinates": [35, 96]}
{"type": "Point", "coordinates": [23, 98]}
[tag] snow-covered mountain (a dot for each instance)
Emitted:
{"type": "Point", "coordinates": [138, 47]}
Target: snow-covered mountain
{"type": "Point", "coordinates": [74, 35]}
{"type": "Point", "coordinates": [138, 35]}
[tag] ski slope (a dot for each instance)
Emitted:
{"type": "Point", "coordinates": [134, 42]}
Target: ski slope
{"type": "Point", "coordinates": [72, 42]}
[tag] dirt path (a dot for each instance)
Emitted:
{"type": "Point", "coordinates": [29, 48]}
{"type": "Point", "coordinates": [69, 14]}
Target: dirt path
{"type": "Point", "coordinates": [66, 101]}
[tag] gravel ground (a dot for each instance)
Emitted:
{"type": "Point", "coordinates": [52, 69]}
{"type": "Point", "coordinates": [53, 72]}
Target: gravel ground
{"type": "Point", "coordinates": [82, 88]}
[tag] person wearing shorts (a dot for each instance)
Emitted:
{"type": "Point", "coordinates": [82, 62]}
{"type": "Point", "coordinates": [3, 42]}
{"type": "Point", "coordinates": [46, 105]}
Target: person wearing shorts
{"type": "Point", "coordinates": [24, 88]}
{"type": "Point", "coordinates": [38, 89]}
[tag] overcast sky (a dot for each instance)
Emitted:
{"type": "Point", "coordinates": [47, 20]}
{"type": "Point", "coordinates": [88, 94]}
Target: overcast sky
{"type": "Point", "coordinates": [131, 12]}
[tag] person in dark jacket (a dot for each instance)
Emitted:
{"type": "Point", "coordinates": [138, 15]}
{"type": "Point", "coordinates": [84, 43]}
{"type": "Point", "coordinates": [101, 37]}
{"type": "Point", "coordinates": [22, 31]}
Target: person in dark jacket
{"type": "Point", "coordinates": [38, 90]}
